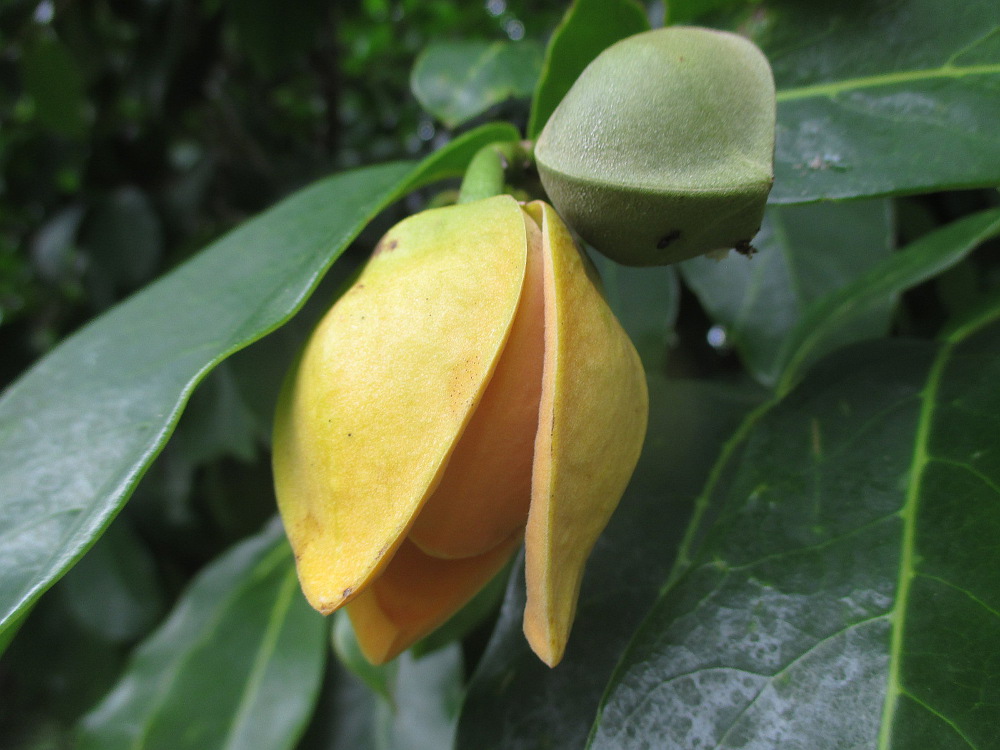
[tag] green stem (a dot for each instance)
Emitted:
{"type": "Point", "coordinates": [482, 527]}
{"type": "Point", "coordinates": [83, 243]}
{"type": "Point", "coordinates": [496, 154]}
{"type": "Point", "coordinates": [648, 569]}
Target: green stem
{"type": "Point", "coordinates": [487, 172]}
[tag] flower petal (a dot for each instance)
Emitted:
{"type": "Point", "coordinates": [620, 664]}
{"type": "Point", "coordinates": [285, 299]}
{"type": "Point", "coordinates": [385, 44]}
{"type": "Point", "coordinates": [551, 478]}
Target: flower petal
{"type": "Point", "coordinates": [591, 426]}
{"type": "Point", "coordinates": [416, 593]}
{"type": "Point", "coordinates": [371, 412]}
{"type": "Point", "coordinates": [484, 494]}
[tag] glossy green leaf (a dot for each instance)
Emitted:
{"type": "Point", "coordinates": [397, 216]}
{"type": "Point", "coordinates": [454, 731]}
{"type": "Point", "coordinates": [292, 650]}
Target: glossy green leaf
{"type": "Point", "coordinates": [838, 318]}
{"type": "Point", "coordinates": [237, 664]}
{"type": "Point", "coordinates": [456, 81]}
{"type": "Point", "coordinates": [81, 426]}
{"type": "Point", "coordinates": [845, 594]}
{"type": "Point", "coordinates": [805, 254]}
{"type": "Point", "coordinates": [646, 302]}
{"type": "Point", "coordinates": [881, 98]}
{"type": "Point", "coordinates": [514, 700]}
{"type": "Point", "coordinates": [53, 80]}
{"type": "Point", "coordinates": [588, 28]}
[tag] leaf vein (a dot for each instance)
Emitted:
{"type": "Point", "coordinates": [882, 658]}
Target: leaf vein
{"type": "Point", "coordinates": [970, 469]}
{"type": "Point", "coordinates": [937, 714]}
{"type": "Point", "coordinates": [959, 589]}
{"type": "Point", "coordinates": [830, 90]}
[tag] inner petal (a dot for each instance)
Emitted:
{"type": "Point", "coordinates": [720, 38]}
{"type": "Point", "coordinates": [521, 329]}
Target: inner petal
{"type": "Point", "coordinates": [416, 593]}
{"type": "Point", "coordinates": [485, 491]}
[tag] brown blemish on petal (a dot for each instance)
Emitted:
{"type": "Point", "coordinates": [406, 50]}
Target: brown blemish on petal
{"type": "Point", "coordinates": [385, 245]}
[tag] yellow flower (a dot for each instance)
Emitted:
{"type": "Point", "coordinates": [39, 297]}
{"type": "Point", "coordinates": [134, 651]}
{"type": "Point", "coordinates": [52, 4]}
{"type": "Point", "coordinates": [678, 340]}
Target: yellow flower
{"type": "Point", "coordinates": [472, 389]}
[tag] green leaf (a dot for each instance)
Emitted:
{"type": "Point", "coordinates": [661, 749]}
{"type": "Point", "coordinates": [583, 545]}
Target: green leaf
{"type": "Point", "coordinates": [685, 11]}
{"type": "Point", "coordinates": [217, 422]}
{"type": "Point", "coordinates": [646, 302]}
{"type": "Point", "coordinates": [80, 427]}
{"type": "Point", "coordinates": [884, 97]}
{"type": "Point", "coordinates": [418, 712]}
{"type": "Point", "coordinates": [588, 28]}
{"type": "Point", "coordinates": [514, 700]}
{"type": "Point", "coordinates": [834, 320]}
{"type": "Point", "coordinates": [804, 257]}
{"type": "Point", "coordinates": [378, 678]}
{"type": "Point", "coordinates": [426, 698]}
{"type": "Point", "coordinates": [456, 81]}
{"type": "Point", "coordinates": [845, 593]}
{"type": "Point", "coordinates": [57, 668]}
{"type": "Point", "coordinates": [124, 239]}
{"type": "Point", "coordinates": [114, 591]}
{"type": "Point", "coordinates": [53, 81]}
{"type": "Point", "coordinates": [7, 635]}
{"type": "Point", "coordinates": [237, 664]}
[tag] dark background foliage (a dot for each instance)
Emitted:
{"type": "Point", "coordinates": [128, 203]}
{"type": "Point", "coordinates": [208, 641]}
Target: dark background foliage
{"type": "Point", "coordinates": [132, 133]}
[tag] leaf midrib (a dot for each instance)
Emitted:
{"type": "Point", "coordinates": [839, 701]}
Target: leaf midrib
{"type": "Point", "coordinates": [830, 90]}
{"type": "Point", "coordinates": [279, 615]}
{"type": "Point", "coordinates": [907, 572]}
{"type": "Point", "coordinates": [908, 515]}
{"type": "Point", "coordinates": [261, 569]}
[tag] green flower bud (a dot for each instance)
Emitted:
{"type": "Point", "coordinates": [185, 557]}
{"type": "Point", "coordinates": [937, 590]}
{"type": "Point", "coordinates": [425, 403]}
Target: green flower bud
{"type": "Point", "coordinates": [664, 147]}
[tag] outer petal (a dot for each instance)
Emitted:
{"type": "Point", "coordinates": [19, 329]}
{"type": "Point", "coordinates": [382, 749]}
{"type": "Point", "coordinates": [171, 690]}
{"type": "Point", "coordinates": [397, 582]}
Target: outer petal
{"type": "Point", "coordinates": [369, 416]}
{"type": "Point", "coordinates": [592, 422]}
{"type": "Point", "coordinates": [484, 494]}
{"type": "Point", "coordinates": [416, 593]}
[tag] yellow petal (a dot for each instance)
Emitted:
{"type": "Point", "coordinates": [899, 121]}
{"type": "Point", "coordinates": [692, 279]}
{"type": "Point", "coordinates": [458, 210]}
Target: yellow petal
{"type": "Point", "coordinates": [386, 384]}
{"type": "Point", "coordinates": [484, 494]}
{"type": "Point", "coordinates": [416, 593]}
{"type": "Point", "coordinates": [591, 426]}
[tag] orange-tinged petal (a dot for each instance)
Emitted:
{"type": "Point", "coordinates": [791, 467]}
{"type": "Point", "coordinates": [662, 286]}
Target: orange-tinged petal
{"type": "Point", "coordinates": [416, 593]}
{"type": "Point", "coordinates": [386, 384]}
{"type": "Point", "coordinates": [484, 494]}
{"type": "Point", "coordinates": [592, 423]}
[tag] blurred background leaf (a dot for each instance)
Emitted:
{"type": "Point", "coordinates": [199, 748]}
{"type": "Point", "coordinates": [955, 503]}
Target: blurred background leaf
{"type": "Point", "coordinates": [456, 81]}
{"type": "Point", "coordinates": [415, 706]}
{"type": "Point", "coordinates": [646, 302]}
{"type": "Point", "coordinates": [54, 85]}
{"type": "Point", "coordinates": [237, 664]}
{"type": "Point", "coordinates": [803, 257]}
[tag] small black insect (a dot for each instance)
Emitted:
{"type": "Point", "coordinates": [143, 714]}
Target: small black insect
{"type": "Point", "coordinates": [743, 247]}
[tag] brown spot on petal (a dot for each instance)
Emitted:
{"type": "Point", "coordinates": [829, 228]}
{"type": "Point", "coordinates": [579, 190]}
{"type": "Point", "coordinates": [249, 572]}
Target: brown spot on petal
{"type": "Point", "coordinates": [385, 246]}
